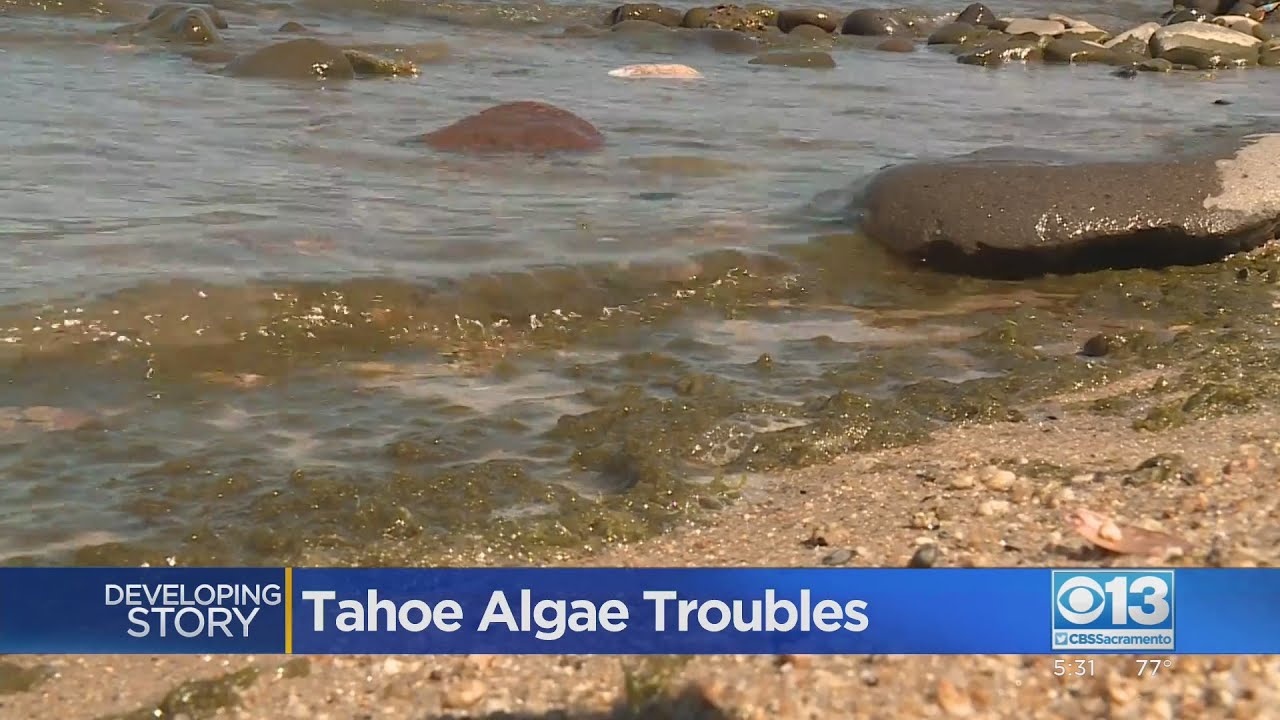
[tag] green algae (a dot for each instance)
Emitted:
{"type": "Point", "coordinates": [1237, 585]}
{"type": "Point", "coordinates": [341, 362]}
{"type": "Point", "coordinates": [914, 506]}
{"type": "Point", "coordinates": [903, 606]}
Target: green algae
{"type": "Point", "coordinates": [665, 428]}
{"type": "Point", "coordinates": [196, 699]}
{"type": "Point", "coordinates": [15, 678]}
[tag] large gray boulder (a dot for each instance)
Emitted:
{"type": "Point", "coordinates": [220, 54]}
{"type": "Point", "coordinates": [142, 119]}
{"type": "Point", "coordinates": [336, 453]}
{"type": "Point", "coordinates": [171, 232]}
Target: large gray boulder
{"type": "Point", "coordinates": [1019, 217]}
{"type": "Point", "coordinates": [1204, 45]}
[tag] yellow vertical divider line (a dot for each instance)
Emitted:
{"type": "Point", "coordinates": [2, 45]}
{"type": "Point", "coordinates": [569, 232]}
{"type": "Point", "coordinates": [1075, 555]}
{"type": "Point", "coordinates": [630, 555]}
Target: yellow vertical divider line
{"type": "Point", "coordinates": [288, 611]}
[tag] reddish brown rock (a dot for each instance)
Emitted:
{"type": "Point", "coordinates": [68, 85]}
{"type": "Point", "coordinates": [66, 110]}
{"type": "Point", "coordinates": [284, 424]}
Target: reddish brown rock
{"type": "Point", "coordinates": [525, 126]}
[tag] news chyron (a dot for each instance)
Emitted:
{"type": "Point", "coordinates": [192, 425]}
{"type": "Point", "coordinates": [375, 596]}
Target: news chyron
{"type": "Point", "coordinates": [1114, 610]}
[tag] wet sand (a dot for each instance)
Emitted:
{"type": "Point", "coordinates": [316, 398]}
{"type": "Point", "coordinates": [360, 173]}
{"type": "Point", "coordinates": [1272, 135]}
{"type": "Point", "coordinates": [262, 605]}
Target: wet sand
{"type": "Point", "coordinates": [879, 507]}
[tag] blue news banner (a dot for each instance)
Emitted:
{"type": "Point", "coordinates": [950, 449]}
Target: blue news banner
{"type": "Point", "coordinates": [638, 611]}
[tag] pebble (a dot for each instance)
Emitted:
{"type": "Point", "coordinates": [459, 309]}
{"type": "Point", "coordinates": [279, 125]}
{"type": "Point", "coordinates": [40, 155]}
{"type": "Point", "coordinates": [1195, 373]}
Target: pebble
{"type": "Point", "coordinates": [954, 701]}
{"type": "Point", "coordinates": [463, 695]}
{"type": "Point", "coordinates": [925, 557]}
{"type": "Point", "coordinates": [963, 481]}
{"type": "Point", "coordinates": [838, 557]}
{"type": "Point", "coordinates": [996, 479]}
{"type": "Point", "coordinates": [391, 666]}
{"type": "Point", "coordinates": [991, 508]}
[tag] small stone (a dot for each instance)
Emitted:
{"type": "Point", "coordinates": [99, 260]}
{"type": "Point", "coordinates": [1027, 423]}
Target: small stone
{"type": "Point", "coordinates": [926, 556]}
{"type": "Point", "coordinates": [1083, 478]}
{"type": "Point", "coordinates": [838, 557]}
{"type": "Point", "coordinates": [991, 508]}
{"type": "Point", "coordinates": [924, 521]}
{"type": "Point", "coordinates": [1096, 346]}
{"type": "Point", "coordinates": [391, 666]}
{"type": "Point", "coordinates": [463, 695]}
{"type": "Point", "coordinates": [996, 479]}
{"type": "Point", "coordinates": [1020, 492]}
{"type": "Point", "coordinates": [954, 701]}
{"type": "Point", "coordinates": [963, 481]}
{"type": "Point", "coordinates": [869, 678]}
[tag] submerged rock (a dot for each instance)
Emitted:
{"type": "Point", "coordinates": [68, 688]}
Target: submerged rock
{"type": "Point", "coordinates": [897, 44]}
{"type": "Point", "coordinates": [957, 33]}
{"type": "Point", "coordinates": [1001, 49]}
{"type": "Point", "coordinates": [294, 59]}
{"type": "Point", "coordinates": [817, 60]}
{"type": "Point", "coordinates": [364, 63]}
{"type": "Point", "coordinates": [1018, 218]}
{"type": "Point", "coordinates": [656, 71]}
{"type": "Point", "coordinates": [191, 24]}
{"type": "Point", "coordinates": [520, 127]}
{"type": "Point", "coordinates": [212, 12]}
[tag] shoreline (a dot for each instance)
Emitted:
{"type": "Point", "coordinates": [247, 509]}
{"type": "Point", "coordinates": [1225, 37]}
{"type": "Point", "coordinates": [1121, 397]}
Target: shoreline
{"type": "Point", "coordinates": [1206, 482]}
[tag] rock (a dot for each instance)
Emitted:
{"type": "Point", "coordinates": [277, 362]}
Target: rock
{"type": "Point", "coordinates": [292, 27]}
{"type": "Point", "coordinates": [993, 478]}
{"type": "Point", "coordinates": [723, 17]}
{"type": "Point", "coordinates": [925, 556]}
{"type": "Point", "coordinates": [1071, 50]}
{"type": "Point", "coordinates": [210, 11]}
{"type": "Point", "coordinates": [364, 63]}
{"type": "Point", "coordinates": [1024, 217]}
{"type": "Point", "coordinates": [1264, 32]}
{"type": "Point", "coordinates": [656, 71]}
{"type": "Point", "coordinates": [651, 12]}
{"type": "Point", "coordinates": [1269, 55]}
{"type": "Point", "coordinates": [810, 33]}
{"type": "Point", "coordinates": [1239, 23]}
{"type": "Point", "coordinates": [1155, 65]}
{"type": "Point", "coordinates": [1241, 8]}
{"type": "Point", "coordinates": [990, 508]}
{"type": "Point", "coordinates": [1204, 45]}
{"type": "Point", "coordinates": [839, 556]}
{"type": "Point", "coordinates": [873, 22]}
{"type": "Point", "coordinates": [897, 44]}
{"type": "Point", "coordinates": [294, 59]}
{"type": "Point", "coordinates": [816, 60]}
{"type": "Point", "coordinates": [956, 33]}
{"type": "Point", "coordinates": [1024, 26]}
{"type": "Point", "coordinates": [1134, 40]}
{"type": "Point", "coordinates": [191, 24]}
{"type": "Point", "coordinates": [789, 20]}
{"type": "Point", "coordinates": [767, 15]}
{"type": "Point", "coordinates": [1002, 49]}
{"type": "Point", "coordinates": [524, 127]}
{"type": "Point", "coordinates": [978, 15]}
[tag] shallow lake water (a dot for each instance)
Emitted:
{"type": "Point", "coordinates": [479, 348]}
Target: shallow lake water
{"type": "Point", "coordinates": [242, 321]}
